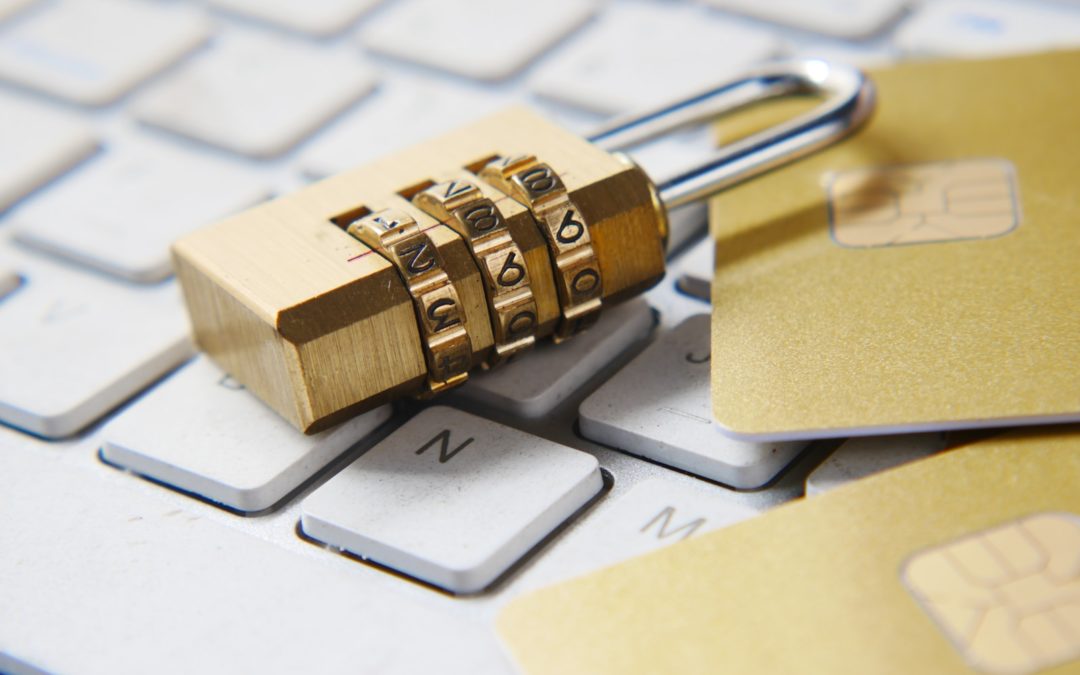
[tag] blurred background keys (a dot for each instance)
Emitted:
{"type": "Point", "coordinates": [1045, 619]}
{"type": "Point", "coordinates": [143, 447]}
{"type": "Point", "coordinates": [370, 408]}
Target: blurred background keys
{"type": "Point", "coordinates": [852, 19]}
{"type": "Point", "coordinates": [255, 96]}
{"type": "Point", "coordinates": [622, 63]}
{"type": "Point", "coordinates": [406, 110]}
{"type": "Point", "coordinates": [443, 35]}
{"type": "Point", "coordinates": [37, 143]}
{"type": "Point", "coordinates": [131, 203]}
{"type": "Point", "coordinates": [51, 50]}
{"type": "Point", "coordinates": [319, 18]}
{"type": "Point", "coordinates": [987, 27]}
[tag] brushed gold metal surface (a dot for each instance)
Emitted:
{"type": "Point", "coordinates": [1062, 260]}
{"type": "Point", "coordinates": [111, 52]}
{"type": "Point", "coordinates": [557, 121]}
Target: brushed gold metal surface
{"type": "Point", "coordinates": [564, 227]}
{"type": "Point", "coordinates": [447, 347]}
{"type": "Point", "coordinates": [292, 344]}
{"type": "Point", "coordinates": [320, 327]}
{"type": "Point", "coordinates": [524, 231]}
{"type": "Point", "coordinates": [460, 204]}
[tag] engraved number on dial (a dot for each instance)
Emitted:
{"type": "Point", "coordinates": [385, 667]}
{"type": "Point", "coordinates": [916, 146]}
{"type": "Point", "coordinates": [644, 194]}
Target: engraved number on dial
{"type": "Point", "coordinates": [539, 180]}
{"type": "Point", "coordinates": [482, 218]}
{"type": "Point", "coordinates": [455, 188]}
{"type": "Point", "coordinates": [418, 262]}
{"type": "Point", "coordinates": [570, 230]}
{"type": "Point", "coordinates": [585, 281]}
{"type": "Point", "coordinates": [521, 322]}
{"type": "Point", "coordinates": [511, 272]}
{"type": "Point", "coordinates": [440, 312]}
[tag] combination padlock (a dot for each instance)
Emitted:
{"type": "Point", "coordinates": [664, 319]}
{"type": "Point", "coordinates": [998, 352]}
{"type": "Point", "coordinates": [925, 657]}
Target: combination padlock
{"type": "Point", "coordinates": [397, 278]}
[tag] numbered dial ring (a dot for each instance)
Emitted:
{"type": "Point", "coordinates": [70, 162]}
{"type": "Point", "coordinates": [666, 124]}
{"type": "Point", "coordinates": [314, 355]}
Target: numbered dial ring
{"type": "Point", "coordinates": [577, 273]}
{"type": "Point", "coordinates": [447, 347]}
{"type": "Point", "coordinates": [462, 206]}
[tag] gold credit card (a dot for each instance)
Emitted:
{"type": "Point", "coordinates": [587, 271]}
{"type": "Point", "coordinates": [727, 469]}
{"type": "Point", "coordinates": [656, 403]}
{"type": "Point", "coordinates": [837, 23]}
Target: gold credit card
{"type": "Point", "coordinates": [922, 275]}
{"type": "Point", "coordinates": [968, 561]}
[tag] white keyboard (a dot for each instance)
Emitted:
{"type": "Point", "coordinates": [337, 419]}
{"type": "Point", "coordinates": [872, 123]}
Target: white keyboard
{"type": "Point", "coordinates": [154, 516]}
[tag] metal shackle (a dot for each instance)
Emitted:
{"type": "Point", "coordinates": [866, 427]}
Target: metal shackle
{"type": "Point", "coordinates": [848, 101]}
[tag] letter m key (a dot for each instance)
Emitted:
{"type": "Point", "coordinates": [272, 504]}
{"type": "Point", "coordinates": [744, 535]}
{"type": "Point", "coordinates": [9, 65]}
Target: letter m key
{"type": "Point", "coordinates": [443, 439]}
{"type": "Point", "coordinates": [665, 528]}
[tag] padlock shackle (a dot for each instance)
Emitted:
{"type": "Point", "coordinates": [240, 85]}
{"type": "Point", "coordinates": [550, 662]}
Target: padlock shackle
{"type": "Point", "coordinates": [849, 100]}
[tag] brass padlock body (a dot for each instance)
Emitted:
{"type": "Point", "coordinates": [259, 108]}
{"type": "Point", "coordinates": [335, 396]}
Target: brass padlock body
{"type": "Point", "coordinates": [320, 327]}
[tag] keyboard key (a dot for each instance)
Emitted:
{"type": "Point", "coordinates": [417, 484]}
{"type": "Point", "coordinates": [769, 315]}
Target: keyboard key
{"type": "Point", "coordinates": [202, 432]}
{"type": "Point", "coordinates": [121, 213]}
{"type": "Point", "coordinates": [451, 499]}
{"type": "Point", "coordinates": [37, 143]}
{"type": "Point", "coordinates": [483, 39]}
{"type": "Point", "coordinates": [403, 111]}
{"type": "Point", "coordinates": [861, 457]}
{"type": "Point", "coordinates": [315, 17]}
{"type": "Point", "coordinates": [851, 19]}
{"type": "Point", "coordinates": [987, 27]}
{"type": "Point", "coordinates": [255, 95]}
{"type": "Point", "coordinates": [539, 380]}
{"type": "Point", "coordinates": [659, 407]}
{"type": "Point", "coordinates": [672, 305]}
{"type": "Point", "coordinates": [105, 574]}
{"type": "Point", "coordinates": [94, 51]}
{"type": "Point", "coordinates": [625, 63]}
{"type": "Point", "coordinates": [653, 514]}
{"type": "Point", "coordinates": [695, 269]}
{"type": "Point", "coordinates": [74, 346]}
